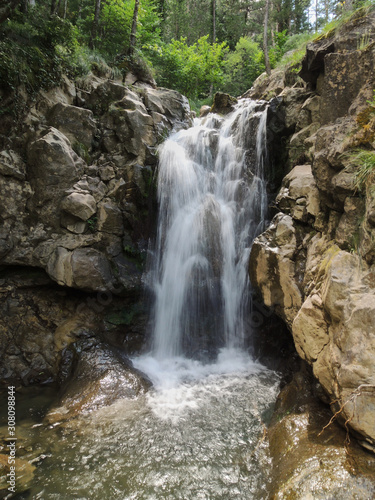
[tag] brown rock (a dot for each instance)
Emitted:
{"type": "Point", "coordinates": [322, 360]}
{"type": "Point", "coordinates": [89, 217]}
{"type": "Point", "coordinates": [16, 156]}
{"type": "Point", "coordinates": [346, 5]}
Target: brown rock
{"type": "Point", "coordinates": [223, 103]}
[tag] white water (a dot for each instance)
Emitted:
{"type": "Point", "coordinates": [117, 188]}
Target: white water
{"type": "Point", "coordinates": [212, 202]}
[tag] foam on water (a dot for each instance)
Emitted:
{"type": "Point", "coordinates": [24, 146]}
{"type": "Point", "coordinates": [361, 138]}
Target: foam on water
{"type": "Point", "coordinates": [182, 384]}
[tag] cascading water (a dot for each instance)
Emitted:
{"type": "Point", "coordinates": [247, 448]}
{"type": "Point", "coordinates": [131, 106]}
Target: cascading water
{"type": "Point", "coordinates": [212, 199]}
{"type": "Point", "coordinates": [199, 432]}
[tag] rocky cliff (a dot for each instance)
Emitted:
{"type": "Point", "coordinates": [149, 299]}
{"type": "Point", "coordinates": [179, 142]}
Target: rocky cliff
{"type": "Point", "coordinates": [315, 264]}
{"type": "Point", "coordinates": [76, 211]}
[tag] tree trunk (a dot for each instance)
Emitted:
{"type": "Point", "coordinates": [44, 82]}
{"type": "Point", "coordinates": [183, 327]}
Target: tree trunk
{"type": "Point", "coordinates": [213, 21]}
{"type": "Point", "coordinates": [133, 33]}
{"type": "Point", "coordinates": [265, 38]}
{"type": "Point", "coordinates": [53, 7]}
{"type": "Point", "coordinates": [95, 24]}
{"type": "Point", "coordinates": [6, 10]}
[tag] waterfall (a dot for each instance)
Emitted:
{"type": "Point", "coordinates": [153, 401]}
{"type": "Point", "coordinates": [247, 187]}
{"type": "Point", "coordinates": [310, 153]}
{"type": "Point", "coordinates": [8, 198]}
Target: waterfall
{"type": "Point", "coordinates": [212, 204]}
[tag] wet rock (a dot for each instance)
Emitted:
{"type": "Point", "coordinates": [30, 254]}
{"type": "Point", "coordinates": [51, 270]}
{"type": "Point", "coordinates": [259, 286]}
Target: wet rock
{"type": "Point", "coordinates": [24, 475]}
{"type": "Point", "coordinates": [223, 103]}
{"type": "Point", "coordinates": [204, 111]}
{"type": "Point", "coordinates": [308, 462]}
{"type": "Point", "coordinates": [98, 376]}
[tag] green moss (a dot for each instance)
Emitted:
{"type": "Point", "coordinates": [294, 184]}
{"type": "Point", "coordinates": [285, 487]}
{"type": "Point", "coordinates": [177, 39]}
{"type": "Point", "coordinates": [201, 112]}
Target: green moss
{"type": "Point", "coordinates": [123, 317]}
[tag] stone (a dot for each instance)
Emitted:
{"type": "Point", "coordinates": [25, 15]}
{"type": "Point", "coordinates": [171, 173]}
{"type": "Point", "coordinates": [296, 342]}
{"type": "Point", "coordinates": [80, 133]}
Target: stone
{"type": "Point", "coordinates": [110, 218]}
{"type": "Point", "coordinates": [80, 205]}
{"type": "Point", "coordinates": [292, 102]}
{"type": "Point", "coordinates": [313, 62]}
{"type": "Point", "coordinates": [73, 224]}
{"type": "Point", "coordinates": [273, 270]}
{"type": "Point", "coordinates": [339, 68]}
{"type": "Point", "coordinates": [52, 168]}
{"type": "Point", "coordinates": [107, 173]}
{"type": "Point", "coordinates": [299, 188]}
{"type": "Point", "coordinates": [169, 103]}
{"type": "Point", "coordinates": [84, 268]}
{"type": "Point", "coordinates": [77, 124]}
{"type": "Point", "coordinates": [99, 376]}
{"type": "Point", "coordinates": [12, 165]}
{"type": "Point", "coordinates": [267, 87]}
{"type": "Point", "coordinates": [348, 230]}
{"type": "Point", "coordinates": [223, 103]}
{"type": "Point", "coordinates": [310, 329]}
{"type": "Point", "coordinates": [204, 110]}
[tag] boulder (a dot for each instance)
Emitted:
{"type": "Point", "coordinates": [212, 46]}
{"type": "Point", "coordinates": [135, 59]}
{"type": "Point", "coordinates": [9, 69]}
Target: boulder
{"type": "Point", "coordinates": [12, 165]}
{"type": "Point", "coordinates": [204, 111]}
{"type": "Point", "coordinates": [52, 168]}
{"type": "Point", "coordinates": [79, 205]}
{"type": "Point", "coordinates": [223, 103]}
{"type": "Point", "coordinates": [169, 103]}
{"type": "Point", "coordinates": [273, 269]}
{"type": "Point", "coordinates": [84, 268]}
{"type": "Point", "coordinates": [95, 376]}
{"type": "Point", "coordinates": [299, 195]}
{"type": "Point", "coordinates": [77, 124]}
{"type": "Point", "coordinates": [110, 218]}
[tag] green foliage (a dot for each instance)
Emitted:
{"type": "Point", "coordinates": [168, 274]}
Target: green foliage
{"type": "Point", "coordinates": [83, 152]}
{"type": "Point", "coordinates": [115, 24]}
{"type": "Point", "coordinates": [294, 50]}
{"type": "Point", "coordinates": [243, 66]}
{"type": "Point", "coordinates": [92, 223]}
{"type": "Point", "coordinates": [364, 162]}
{"type": "Point", "coordinates": [196, 104]}
{"type": "Point", "coordinates": [190, 69]}
{"type": "Point", "coordinates": [35, 51]}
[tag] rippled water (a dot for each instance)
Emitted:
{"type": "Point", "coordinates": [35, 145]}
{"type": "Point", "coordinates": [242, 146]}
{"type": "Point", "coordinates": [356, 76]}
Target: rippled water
{"type": "Point", "coordinates": [199, 434]}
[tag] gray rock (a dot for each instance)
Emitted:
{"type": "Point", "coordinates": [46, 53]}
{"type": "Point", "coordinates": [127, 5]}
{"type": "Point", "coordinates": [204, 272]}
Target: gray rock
{"type": "Point", "coordinates": [80, 205]}
{"type": "Point", "coordinates": [77, 124]}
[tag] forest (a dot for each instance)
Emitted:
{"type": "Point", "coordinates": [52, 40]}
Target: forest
{"type": "Point", "coordinates": [194, 46]}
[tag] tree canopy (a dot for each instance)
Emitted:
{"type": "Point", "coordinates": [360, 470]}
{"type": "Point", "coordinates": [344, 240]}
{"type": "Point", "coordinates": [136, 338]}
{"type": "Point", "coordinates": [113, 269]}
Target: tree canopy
{"type": "Point", "coordinates": [194, 46]}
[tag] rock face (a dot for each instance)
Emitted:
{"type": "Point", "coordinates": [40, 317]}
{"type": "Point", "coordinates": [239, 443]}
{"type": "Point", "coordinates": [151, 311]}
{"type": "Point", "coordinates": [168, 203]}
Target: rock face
{"type": "Point", "coordinates": [77, 202]}
{"type": "Point", "coordinates": [315, 264]}
{"type": "Point", "coordinates": [85, 178]}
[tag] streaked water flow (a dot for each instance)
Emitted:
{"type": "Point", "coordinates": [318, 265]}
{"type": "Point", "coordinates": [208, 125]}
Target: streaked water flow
{"type": "Point", "coordinates": [212, 203]}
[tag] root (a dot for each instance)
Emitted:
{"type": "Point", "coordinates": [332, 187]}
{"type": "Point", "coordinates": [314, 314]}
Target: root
{"type": "Point", "coordinates": [352, 398]}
